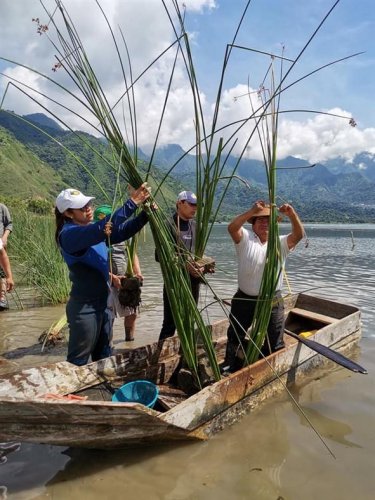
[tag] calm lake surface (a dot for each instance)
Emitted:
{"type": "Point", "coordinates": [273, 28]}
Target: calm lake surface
{"type": "Point", "coordinates": [272, 453]}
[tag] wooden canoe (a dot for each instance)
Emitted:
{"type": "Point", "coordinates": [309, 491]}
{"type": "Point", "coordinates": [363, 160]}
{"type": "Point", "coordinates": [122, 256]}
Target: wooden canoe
{"type": "Point", "coordinates": [30, 410]}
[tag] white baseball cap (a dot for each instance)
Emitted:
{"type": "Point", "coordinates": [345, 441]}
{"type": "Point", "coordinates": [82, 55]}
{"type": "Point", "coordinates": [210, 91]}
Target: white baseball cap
{"type": "Point", "coordinates": [188, 196]}
{"type": "Point", "coordinates": [71, 198]}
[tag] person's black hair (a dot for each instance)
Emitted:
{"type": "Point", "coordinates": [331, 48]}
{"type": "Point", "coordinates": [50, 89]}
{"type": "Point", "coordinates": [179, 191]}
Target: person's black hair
{"type": "Point", "coordinates": [60, 221]}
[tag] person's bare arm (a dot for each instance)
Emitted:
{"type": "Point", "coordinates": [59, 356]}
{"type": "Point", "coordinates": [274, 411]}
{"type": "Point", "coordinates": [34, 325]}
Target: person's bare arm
{"type": "Point", "coordinates": [297, 228]}
{"type": "Point", "coordinates": [5, 237]}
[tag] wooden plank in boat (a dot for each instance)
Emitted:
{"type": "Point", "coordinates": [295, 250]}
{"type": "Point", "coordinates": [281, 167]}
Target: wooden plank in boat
{"type": "Point", "coordinates": [313, 315]}
{"type": "Point", "coordinates": [169, 397]}
{"type": "Point", "coordinates": [319, 305]}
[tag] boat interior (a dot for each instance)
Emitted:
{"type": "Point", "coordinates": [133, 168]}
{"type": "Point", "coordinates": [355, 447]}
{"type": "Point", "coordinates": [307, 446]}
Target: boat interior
{"type": "Point", "coordinates": [304, 316]}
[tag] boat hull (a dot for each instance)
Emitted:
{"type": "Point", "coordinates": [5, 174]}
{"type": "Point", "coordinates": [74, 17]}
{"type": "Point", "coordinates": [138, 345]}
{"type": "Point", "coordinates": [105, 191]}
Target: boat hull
{"type": "Point", "coordinates": [27, 412]}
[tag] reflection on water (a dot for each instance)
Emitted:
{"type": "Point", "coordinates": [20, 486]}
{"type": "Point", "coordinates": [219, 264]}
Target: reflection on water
{"type": "Point", "coordinates": [314, 411]}
{"type": "Point", "coordinates": [269, 454]}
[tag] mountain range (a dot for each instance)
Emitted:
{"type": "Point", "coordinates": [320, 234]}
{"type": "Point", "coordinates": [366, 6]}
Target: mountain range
{"type": "Point", "coordinates": [38, 158]}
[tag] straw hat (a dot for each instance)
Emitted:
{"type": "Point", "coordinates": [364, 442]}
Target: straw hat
{"type": "Point", "coordinates": [265, 212]}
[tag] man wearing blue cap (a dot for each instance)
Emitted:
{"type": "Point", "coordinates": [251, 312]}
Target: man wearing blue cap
{"type": "Point", "coordinates": [185, 230]}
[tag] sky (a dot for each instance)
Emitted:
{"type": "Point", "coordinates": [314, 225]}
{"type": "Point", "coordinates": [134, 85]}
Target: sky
{"type": "Point", "coordinates": [306, 128]}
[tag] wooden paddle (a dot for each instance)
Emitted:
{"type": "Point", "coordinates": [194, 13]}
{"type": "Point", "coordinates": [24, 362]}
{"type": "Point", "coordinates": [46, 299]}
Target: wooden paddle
{"type": "Point", "coordinates": [334, 356]}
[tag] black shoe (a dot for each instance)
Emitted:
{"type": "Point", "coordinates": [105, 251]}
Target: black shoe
{"type": "Point", "coordinates": [228, 368]}
{"type": "Point", "coordinates": [224, 369]}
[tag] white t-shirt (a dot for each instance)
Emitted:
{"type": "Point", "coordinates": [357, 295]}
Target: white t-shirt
{"type": "Point", "coordinates": [1, 244]}
{"type": "Point", "coordinates": [251, 255]}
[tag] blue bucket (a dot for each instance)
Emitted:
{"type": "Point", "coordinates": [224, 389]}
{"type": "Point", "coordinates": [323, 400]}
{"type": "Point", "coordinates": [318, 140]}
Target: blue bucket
{"type": "Point", "coordinates": [138, 391]}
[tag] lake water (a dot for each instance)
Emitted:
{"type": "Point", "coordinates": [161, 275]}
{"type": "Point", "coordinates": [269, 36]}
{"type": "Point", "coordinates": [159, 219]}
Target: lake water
{"type": "Point", "coordinates": [272, 453]}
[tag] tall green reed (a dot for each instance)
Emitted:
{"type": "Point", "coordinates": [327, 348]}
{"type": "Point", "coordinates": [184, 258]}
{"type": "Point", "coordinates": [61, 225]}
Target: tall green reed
{"type": "Point", "coordinates": [267, 130]}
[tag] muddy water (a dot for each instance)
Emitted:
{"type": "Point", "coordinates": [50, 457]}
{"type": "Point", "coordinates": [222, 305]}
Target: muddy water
{"type": "Point", "coordinates": [272, 453]}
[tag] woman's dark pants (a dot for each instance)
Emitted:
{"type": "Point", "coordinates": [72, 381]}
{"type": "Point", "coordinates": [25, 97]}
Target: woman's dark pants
{"type": "Point", "coordinates": [89, 332]}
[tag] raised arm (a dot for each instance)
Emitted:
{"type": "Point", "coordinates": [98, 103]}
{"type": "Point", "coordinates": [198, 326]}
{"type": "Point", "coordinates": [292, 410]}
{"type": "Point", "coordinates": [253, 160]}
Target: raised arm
{"type": "Point", "coordinates": [235, 227]}
{"type": "Point", "coordinates": [297, 228]}
{"type": "Point", "coordinates": [76, 238]}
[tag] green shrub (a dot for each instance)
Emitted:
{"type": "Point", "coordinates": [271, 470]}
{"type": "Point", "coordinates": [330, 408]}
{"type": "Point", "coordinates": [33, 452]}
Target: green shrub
{"type": "Point", "coordinates": [39, 206]}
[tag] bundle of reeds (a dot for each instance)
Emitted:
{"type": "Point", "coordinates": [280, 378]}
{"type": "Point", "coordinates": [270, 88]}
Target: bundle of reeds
{"type": "Point", "coordinates": [267, 133]}
{"type": "Point", "coordinates": [73, 59]}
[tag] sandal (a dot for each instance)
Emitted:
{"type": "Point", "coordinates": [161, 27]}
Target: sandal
{"type": "Point", "coordinates": [3, 302]}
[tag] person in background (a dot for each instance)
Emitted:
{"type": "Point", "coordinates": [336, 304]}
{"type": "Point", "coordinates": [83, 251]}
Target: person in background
{"type": "Point", "coordinates": [251, 248]}
{"type": "Point", "coordinates": [6, 228]}
{"type": "Point", "coordinates": [118, 273]}
{"type": "Point", "coordinates": [5, 265]}
{"type": "Point", "coordinates": [83, 245]}
{"type": "Point", "coordinates": [184, 229]}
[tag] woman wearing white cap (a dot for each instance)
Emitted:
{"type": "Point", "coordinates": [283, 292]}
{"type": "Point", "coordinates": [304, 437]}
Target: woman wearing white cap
{"type": "Point", "coordinates": [82, 243]}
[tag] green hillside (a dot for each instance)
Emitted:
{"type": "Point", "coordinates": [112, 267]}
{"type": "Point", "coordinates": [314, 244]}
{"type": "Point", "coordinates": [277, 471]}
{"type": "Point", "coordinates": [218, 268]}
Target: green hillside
{"type": "Point", "coordinates": [23, 174]}
{"type": "Point", "coordinates": [36, 165]}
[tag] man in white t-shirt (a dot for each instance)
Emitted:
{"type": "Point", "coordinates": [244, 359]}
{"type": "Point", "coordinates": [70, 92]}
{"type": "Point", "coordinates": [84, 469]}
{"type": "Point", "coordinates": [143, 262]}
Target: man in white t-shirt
{"type": "Point", "coordinates": [5, 264]}
{"type": "Point", "coordinates": [251, 248]}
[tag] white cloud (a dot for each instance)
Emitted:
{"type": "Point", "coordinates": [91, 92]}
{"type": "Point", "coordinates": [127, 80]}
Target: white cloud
{"type": "Point", "coordinates": [15, 100]}
{"type": "Point", "coordinates": [318, 137]}
{"type": "Point", "coordinates": [324, 137]}
{"type": "Point", "coordinates": [198, 5]}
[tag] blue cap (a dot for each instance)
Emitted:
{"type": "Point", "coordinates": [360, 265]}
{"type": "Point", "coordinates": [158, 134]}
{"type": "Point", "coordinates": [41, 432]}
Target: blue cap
{"type": "Point", "coordinates": [188, 196]}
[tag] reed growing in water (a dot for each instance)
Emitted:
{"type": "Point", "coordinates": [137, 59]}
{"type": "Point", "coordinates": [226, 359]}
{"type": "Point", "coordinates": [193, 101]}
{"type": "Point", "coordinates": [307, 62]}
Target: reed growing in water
{"type": "Point", "coordinates": [37, 258]}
